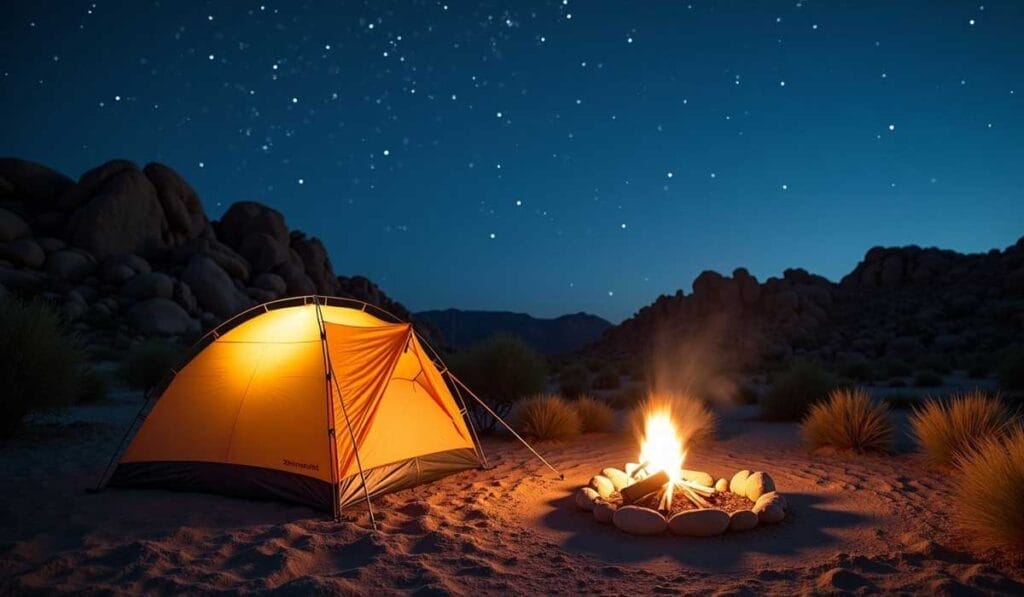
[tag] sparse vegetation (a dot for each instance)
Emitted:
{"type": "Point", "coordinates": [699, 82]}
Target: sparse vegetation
{"type": "Point", "coordinates": [148, 363]}
{"type": "Point", "coordinates": [574, 381]}
{"type": "Point", "coordinates": [849, 420]}
{"type": "Point", "coordinates": [695, 422]}
{"type": "Point", "coordinates": [945, 429]}
{"type": "Point", "coordinates": [547, 416]}
{"type": "Point", "coordinates": [607, 378]}
{"type": "Point", "coordinates": [794, 391]}
{"type": "Point", "coordinates": [40, 364]}
{"type": "Point", "coordinates": [1011, 371]}
{"type": "Point", "coordinates": [927, 379]}
{"type": "Point", "coordinates": [595, 416]}
{"type": "Point", "coordinates": [501, 370]}
{"type": "Point", "coordinates": [990, 491]}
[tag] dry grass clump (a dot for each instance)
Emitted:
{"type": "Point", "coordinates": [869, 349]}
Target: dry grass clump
{"type": "Point", "coordinates": [945, 429]}
{"type": "Point", "coordinates": [694, 421]}
{"type": "Point", "coordinates": [849, 420]}
{"type": "Point", "coordinates": [547, 416]}
{"type": "Point", "coordinates": [990, 491]}
{"type": "Point", "coordinates": [595, 416]}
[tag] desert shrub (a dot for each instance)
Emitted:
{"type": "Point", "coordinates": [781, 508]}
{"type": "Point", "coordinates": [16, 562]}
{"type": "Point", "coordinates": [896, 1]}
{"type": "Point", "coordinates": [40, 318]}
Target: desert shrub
{"type": "Point", "coordinates": [595, 416]}
{"type": "Point", "coordinates": [92, 387]}
{"type": "Point", "coordinates": [1011, 371]}
{"type": "Point", "coordinates": [990, 490]}
{"type": "Point", "coordinates": [927, 379]}
{"type": "Point", "coordinates": [147, 364]}
{"type": "Point", "coordinates": [40, 363]}
{"type": "Point", "coordinates": [849, 420]}
{"type": "Point", "coordinates": [694, 421]}
{"type": "Point", "coordinates": [574, 381]}
{"type": "Point", "coordinates": [607, 378]}
{"type": "Point", "coordinates": [747, 393]}
{"type": "Point", "coordinates": [944, 429]}
{"type": "Point", "coordinates": [547, 416]}
{"type": "Point", "coordinates": [860, 371]}
{"type": "Point", "coordinates": [501, 370]}
{"type": "Point", "coordinates": [795, 391]}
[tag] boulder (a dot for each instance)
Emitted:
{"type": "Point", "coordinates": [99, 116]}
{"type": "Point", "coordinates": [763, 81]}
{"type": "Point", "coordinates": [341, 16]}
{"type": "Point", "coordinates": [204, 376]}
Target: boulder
{"type": "Point", "coordinates": [161, 316]}
{"type": "Point", "coordinates": [905, 346]}
{"type": "Point", "coordinates": [316, 263]}
{"type": "Point", "coordinates": [221, 254]}
{"type": "Point", "coordinates": [12, 226]}
{"type": "Point", "coordinates": [122, 215]}
{"type": "Point", "coordinates": [617, 477]}
{"type": "Point", "coordinates": [34, 182]}
{"type": "Point", "coordinates": [705, 522]}
{"type": "Point", "coordinates": [757, 485]}
{"type": "Point", "coordinates": [117, 273]}
{"type": "Point", "coordinates": [181, 205]}
{"type": "Point", "coordinates": [213, 288]}
{"type": "Point", "coordinates": [25, 252]}
{"type": "Point", "coordinates": [183, 296]}
{"type": "Point", "coordinates": [604, 511]}
{"type": "Point", "coordinates": [272, 283]}
{"type": "Point", "coordinates": [258, 295]}
{"type": "Point", "coordinates": [639, 521]}
{"type": "Point", "coordinates": [70, 265]}
{"type": "Point", "coordinates": [249, 217]}
{"type": "Point", "coordinates": [151, 285]}
{"type": "Point", "coordinates": [602, 485]}
{"type": "Point", "coordinates": [769, 509]}
{"type": "Point", "coordinates": [738, 482]}
{"type": "Point", "coordinates": [23, 281]}
{"type": "Point", "coordinates": [699, 477]}
{"type": "Point", "coordinates": [91, 182]}
{"type": "Point", "coordinates": [263, 251]}
{"type": "Point", "coordinates": [742, 520]}
{"type": "Point", "coordinates": [295, 279]}
{"type": "Point", "coordinates": [586, 498]}
{"type": "Point", "coordinates": [50, 245]}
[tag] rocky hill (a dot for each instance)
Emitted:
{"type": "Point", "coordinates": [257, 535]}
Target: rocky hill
{"type": "Point", "coordinates": [560, 335]}
{"type": "Point", "coordinates": [127, 251]}
{"type": "Point", "coordinates": [904, 302]}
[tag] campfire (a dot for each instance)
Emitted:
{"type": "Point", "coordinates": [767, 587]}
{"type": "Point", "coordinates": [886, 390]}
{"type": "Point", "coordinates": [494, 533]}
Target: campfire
{"type": "Point", "coordinates": [658, 493]}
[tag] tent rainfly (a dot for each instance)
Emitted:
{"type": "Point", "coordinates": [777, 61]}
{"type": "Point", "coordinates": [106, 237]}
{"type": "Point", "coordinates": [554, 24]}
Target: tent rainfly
{"type": "Point", "coordinates": [311, 400]}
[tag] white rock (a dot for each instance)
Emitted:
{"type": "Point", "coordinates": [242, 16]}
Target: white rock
{"type": "Point", "coordinates": [604, 511]}
{"type": "Point", "coordinates": [706, 522]}
{"type": "Point", "coordinates": [738, 482]}
{"type": "Point", "coordinates": [757, 485]}
{"type": "Point", "coordinates": [617, 477]}
{"type": "Point", "coordinates": [777, 497]}
{"type": "Point", "coordinates": [769, 508]}
{"type": "Point", "coordinates": [602, 485]}
{"type": "Point", "coordinates": [721, 486]}
{"type": "Point", "coordinates": [639, 521]}
{"type": "Point", "coordinates": [742, 520]}
{"type": "Point", "coordinates": [698, 477]}
{"type": "Point", "coordinates": [586, 498]}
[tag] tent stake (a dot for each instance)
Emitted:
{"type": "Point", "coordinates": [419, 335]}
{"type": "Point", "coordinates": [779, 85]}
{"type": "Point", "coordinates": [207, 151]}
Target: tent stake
{"type": "Point", "coordinates": [502, 421]}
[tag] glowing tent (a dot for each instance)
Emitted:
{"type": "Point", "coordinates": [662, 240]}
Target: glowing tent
{"type": "Point", "coordinates": [310, 400]}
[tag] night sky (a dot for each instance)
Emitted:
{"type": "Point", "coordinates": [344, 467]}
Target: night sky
{"type": "Point", "coordinates": [548, 157]}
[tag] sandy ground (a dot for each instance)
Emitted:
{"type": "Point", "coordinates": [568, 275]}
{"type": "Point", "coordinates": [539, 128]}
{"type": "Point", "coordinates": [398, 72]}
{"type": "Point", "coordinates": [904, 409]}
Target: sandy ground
{"type": "Point", "coordinates": [856, 524]}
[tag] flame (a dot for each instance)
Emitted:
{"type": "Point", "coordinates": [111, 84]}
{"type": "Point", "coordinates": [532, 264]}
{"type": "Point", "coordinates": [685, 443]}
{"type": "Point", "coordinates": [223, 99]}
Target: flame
{"type": "Point", "coordinates": [662, 448]}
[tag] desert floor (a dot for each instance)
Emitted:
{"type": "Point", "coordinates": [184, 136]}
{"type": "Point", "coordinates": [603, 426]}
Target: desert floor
{"type": "Point", "coordinates": [857, 524]}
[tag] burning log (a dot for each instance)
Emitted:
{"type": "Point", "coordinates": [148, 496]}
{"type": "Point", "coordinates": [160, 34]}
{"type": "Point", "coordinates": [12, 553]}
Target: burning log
{"type": "Point", "coordinates": [644, 487]}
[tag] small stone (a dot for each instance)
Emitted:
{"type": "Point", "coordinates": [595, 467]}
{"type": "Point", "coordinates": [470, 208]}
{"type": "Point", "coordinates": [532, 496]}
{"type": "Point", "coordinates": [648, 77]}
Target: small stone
{"type": "Point", "coordinates": [769, 508]}
{"type": "Point", "coordinates": [604, 511]}
{"type": "Point", "coordinates": [586, 498]}
{"type": "Point", "coordinates": [706, 522]}
{"type": "Point", "coordinates": [721, 486]}
{"type": "Point", "coordinates": [739, 480]}
{"type": "Point", "coordinates": [742, 520]}
{"type": "Point", "coordinates": [636, 520]}
{"type": "Point", "coordinates": [617, 477]}
{"type": "Point", "coordinates": [776, 496]}
{"type": "Point", "coordinates": [699, 477]}
{"type": "Point", "coordinates": [757, 485]}
{"type": "Point", "coordinates": [602, 485]}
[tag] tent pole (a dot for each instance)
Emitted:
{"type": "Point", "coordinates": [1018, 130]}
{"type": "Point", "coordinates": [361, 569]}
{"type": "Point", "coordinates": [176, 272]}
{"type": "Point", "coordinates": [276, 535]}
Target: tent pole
{"type": "Point", "coordinates": [332, 449]}
{"type": "Point", "coordinates": [469, 419]}
{"type": "Point", "coordinates": [355, 448]}
{"type": "Point", "coordinates": [502, 421]}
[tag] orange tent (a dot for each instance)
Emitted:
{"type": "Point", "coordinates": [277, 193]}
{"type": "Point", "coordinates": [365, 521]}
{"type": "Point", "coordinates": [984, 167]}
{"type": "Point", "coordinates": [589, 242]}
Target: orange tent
{"type": "Point", "coordinates": [310, 400]}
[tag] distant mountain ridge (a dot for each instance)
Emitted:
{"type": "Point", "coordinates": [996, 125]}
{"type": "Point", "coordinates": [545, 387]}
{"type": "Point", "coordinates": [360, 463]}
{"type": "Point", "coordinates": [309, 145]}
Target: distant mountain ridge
{"type": "Point", "coordinates": [568, 333]}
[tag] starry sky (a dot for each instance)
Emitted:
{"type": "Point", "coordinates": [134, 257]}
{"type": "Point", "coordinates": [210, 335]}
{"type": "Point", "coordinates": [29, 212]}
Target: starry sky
{"type": "Point", "coordinates": [547, 157]}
